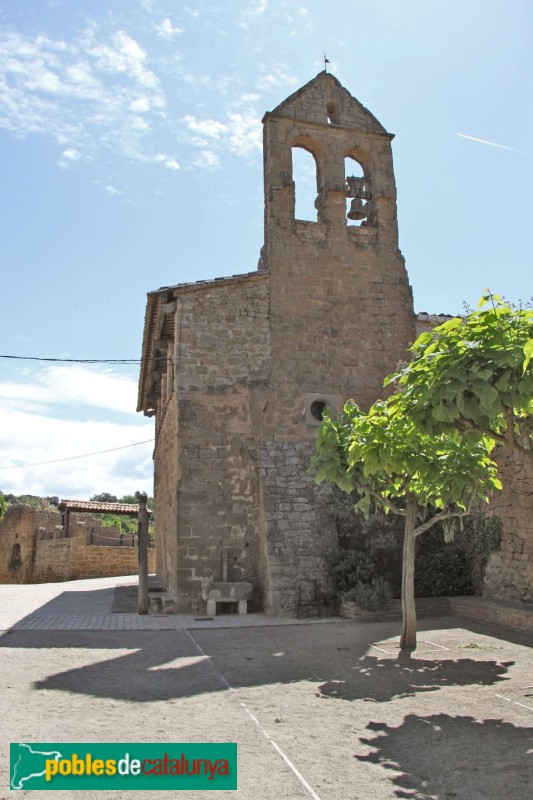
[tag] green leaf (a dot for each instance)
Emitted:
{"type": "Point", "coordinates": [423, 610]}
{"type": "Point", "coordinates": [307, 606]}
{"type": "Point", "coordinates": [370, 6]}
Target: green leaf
{"type": "Point", "coordinates": [450, 325]}
{"type": "Point", "coordinates": [443, 413]}
{"type": "Point", "coordinates": [484, 374]}
{"type": "Point", "coordinates": [528, 353]}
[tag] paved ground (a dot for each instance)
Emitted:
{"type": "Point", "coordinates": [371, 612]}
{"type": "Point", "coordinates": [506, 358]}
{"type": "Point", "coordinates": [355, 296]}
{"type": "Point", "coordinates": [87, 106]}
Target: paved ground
{"type": "Point", "coordinates": [87, 605]}
{"type": "Point", "coordinates": [326, 710]}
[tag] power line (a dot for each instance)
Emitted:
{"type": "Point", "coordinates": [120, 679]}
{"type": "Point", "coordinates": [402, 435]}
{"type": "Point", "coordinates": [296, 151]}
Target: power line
{"type": "Point", "coordinates": [79, 360]}
{"type": "Point", "coordinates": [72, 458]}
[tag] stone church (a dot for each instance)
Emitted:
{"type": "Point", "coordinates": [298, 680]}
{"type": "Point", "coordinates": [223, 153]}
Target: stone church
{"type": "Point", "coordinates": [238, 370]}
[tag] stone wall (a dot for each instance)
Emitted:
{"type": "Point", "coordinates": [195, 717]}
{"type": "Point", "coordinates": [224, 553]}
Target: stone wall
{"type": "Point", "coordinates": [509, 574]}
{"type": "Point", "coordinates": [295, 545]}
{"type": "Point", "coordinates": [165, 500]}
{"type": "Point", "coordinates": [339, 292]}
{"type": "Point", "coordinates": [222, 333]}
{"type": "Point", "coordinates": [341, 313]}
{"type": "Point", "coordinates": [19, 531]}
{"type": "Point", "coordinates": [327, 315]}
{"type": "Point", "coordinates": [206, 455]}
{"type": "Point", "coordinates": [33, 549]}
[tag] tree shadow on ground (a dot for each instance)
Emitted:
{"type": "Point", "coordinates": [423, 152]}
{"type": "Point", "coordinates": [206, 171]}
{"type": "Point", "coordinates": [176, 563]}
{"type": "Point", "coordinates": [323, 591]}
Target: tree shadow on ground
{"type": "Point", "coordinates": [159, 665]}
{"type": "Point", "coordinates": [440, 757]}
{"type": "Point", "coordinates": [384, 679]}
{"type": "Point", "coordinates": [150, 665]}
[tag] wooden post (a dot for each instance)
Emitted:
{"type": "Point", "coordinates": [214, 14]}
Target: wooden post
{"type": "Point", "coordinates": [142, 607]}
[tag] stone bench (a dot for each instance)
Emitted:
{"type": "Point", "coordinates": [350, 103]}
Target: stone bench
{"type": "Point", "coordinates": [226, 592]}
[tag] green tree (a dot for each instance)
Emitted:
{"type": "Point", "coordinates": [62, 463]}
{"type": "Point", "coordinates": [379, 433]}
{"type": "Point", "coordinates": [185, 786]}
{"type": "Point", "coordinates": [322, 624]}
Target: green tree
{"type": "Point", "coordinates": [43, 503]}
{"type": "Point", "coordinates": [392, 464]}
{"type": "Point", "coordinates": [474, 375]}
{"type": "Point", "coordinates": [124, 524]}
{"type": "Point", "coordinates": [104, 497]}
{"type": "Point", "coordinates": [3, 505]}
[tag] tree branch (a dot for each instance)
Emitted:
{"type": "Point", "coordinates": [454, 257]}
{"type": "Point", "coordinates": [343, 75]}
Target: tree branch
{"type": "Point", "coordinates": [381, 500]}
{"type": "Point", "coordinates": [487, 432]}
{"type": "Point", "coordinates": [442, 516]}
{"type": "Point", "coordinates": [508, 439]}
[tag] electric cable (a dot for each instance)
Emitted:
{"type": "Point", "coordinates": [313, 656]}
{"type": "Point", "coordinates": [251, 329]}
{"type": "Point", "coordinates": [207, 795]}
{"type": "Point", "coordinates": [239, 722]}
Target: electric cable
{"type": "Point", "coordinates": [73, 458]}
{"type": "Point", "coordinates": [78, 360]}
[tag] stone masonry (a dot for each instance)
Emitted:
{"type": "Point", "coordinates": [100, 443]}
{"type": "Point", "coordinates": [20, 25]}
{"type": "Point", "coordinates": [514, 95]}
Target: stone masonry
{"type": "Point", "coordinates": [509, 574]}
{"type": "Point", "coordinates": [34, 548]}
{"type": "Point", "coordinates": [238, 370]}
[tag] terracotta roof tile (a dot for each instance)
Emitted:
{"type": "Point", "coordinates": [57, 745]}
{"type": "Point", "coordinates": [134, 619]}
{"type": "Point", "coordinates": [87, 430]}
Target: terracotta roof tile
{"type": "Point", "coordinates": [132, 509]}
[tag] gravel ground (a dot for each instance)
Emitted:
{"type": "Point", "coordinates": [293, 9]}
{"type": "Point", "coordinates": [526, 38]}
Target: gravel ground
{"type": "Point", "coordinates": [327, 711]}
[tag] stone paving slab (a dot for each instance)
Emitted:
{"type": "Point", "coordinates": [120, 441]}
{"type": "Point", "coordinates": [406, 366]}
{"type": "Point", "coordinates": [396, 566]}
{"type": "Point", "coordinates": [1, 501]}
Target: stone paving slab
{"type": "Point", "coordinates": [18, 601]}
{"type": "Point", "coordinates": [122, 622]}
{"type": "Point", "coordinates": [86, 605]}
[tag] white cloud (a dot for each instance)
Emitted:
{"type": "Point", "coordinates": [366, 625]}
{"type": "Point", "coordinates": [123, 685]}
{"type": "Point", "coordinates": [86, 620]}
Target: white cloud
{"type": "Point", "coordinates": [33, 438]}
{"type": "Point", "coordinates": [87, 94]}
{"type": "Point", "coordinates": [246, 134]}
{"type": "Point", "coordinates": [277, 77]}
{"type": "Point", "coordinates": [141, 104]}
{"type": "Point", "coordinates": [112, 190]}
{"type": "Point", "coordinates": [124, 56]}
{"type": "Point", "coordinates": [33, 411]}
{"type": "Point", "coordinates": [67, 385]}
{"type": "Point", "coordinates": [68, 157]}
{"type": "Point", "coordinates": [197, 80]}
{"type": "Point", "coordinates": [166, 30]}
{"type": "Point", "coordinates": [71, 154]}
{"type": "Point", "coordinates": [255, 10]}
{"type": "Point", "coordinates": [207, 127]}
{"type": "Point", "coordinates": [207, 159]}
{"type": "Point", "coordinates": [94, 93]}
{"type": "Point", "coordinates": [241, 134]}
{"type": "Point", "coordinates": [169, 162]}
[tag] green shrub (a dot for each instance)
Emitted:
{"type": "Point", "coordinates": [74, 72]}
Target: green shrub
{"type": "Point", "coordinates": [368, 550]}
{"type": "Point", "coordinates": [370, 596]}
{"type": "Point", "coordinates": [441, 569]}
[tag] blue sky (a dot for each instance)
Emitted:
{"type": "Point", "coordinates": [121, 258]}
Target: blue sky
{"type": "Point", "coordinates": [130, 158]}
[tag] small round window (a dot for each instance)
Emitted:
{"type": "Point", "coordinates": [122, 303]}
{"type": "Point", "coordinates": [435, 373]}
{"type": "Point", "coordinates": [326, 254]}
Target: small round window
{"type": "Point", "coordinates": [317, 409]}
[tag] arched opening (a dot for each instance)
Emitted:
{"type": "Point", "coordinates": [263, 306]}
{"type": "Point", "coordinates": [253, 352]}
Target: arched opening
{"type": "Point", "coordinates": [304, 175]}
{"type": "Point", "coordinates": [358, 194]}
{"type": "Point", "coordinates": [332, 112]}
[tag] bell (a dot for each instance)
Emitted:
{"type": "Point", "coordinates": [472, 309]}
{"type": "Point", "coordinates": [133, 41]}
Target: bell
{"type": "Point", "coordinates": [357, 209]}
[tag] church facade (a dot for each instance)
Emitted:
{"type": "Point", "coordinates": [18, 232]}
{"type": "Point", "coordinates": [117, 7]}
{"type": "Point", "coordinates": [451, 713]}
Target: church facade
{"type": "Point", "coordinates": [238, 370]}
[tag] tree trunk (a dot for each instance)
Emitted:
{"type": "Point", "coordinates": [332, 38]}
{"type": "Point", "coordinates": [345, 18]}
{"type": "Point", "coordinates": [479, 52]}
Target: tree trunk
{"type": "Point", "coordinates": [408, 637]}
